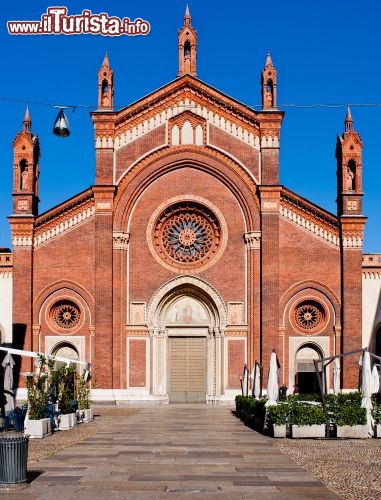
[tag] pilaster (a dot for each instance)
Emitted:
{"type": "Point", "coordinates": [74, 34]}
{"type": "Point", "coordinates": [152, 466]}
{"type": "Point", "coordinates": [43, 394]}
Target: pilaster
{"type": "Point", "coordinates": [270, 202]}
{"type": "Point", "coordinates": [253, 246]}
{"type": "Point", "coordinates": [103, 287]}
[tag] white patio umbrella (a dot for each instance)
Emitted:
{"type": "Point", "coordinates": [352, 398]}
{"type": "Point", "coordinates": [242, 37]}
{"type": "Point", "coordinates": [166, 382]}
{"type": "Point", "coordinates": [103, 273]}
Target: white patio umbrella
{"type": "Point", "coordinates": [8, 364]}
{"type": "Point", "coordinates": [273, 381]}
{"type": "Point", "coordinates": [336, 375]}
{"type": "Point", "coordinates": [375, 380]}
{"type": "Point", "coordinates": [245, 381]}
{"type": "Point", "coordinates": [256, 378]}
{"type": "Point", "coordinates": [366, 388]}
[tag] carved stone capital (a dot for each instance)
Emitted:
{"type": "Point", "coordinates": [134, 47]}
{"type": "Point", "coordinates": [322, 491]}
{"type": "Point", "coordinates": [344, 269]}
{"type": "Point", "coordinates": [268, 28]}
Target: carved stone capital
{"type": "Point", "coordinates": [120, 240]}
{"type": "Point", "coordinates": [253, 240]}
{"type": "Point", "coordinates": [36, 329]}
{"type": "Point", "coordinates": [337, 331]}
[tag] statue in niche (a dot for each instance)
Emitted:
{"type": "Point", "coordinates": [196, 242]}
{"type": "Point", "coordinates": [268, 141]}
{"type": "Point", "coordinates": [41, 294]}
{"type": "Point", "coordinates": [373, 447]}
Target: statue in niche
{"type": "Point", "coordinates": [350, 179]}
{"type": "Point", "coordinates": [24, 180]}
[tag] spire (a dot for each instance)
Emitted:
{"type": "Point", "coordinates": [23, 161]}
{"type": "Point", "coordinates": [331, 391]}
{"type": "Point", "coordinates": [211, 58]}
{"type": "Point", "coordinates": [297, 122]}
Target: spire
{"type": "Point", "coordinates": [105, 85]}
{"type": "Point", "coordinates": [348, 121]}
{"type": "Point", "coordinates": [27, 122]}
{"type": "Point", "coordinates": [269, 83]}
{"type": "Point", "coordinates": [106, 63]}
{"type": "Point", "coordinates": [187, 17]}
{"type": "Point", "coordinates": [187, 47]}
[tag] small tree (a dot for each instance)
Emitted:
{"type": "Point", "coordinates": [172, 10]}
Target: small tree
{"type": "Point", "coordinates": [83, 392]}
{"type": "Point", "coordinates": [63, 378]}
{"type": "Point", "coordinates": [37, 384]}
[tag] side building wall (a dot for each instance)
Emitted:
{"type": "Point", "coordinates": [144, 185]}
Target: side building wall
{"type": "Point", "coordinates": [6, 297]}
{"type": "Point", "coordinates": [371, 301]}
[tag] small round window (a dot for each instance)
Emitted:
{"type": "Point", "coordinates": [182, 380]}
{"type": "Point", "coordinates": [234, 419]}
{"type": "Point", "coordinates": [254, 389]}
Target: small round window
{"type": "Point", "coordinates": [309, 316]}
{"type": "Point", "coordinates": [65, 314]}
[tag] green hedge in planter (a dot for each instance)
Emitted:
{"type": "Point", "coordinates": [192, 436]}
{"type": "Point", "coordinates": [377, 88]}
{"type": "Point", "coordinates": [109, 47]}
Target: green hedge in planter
{"type": "Point", "coordinates": [307, 415]}
{"type": "Point", "coordinates": [345, 409]}
{"type": "Point", "coordinates": [278, 414]}
{"type": "Point", "coordinates": [353, 398]}
{"type": "Point", "coordinates": [293, 398]}
{"type": "Point", "coordinates": [252, 406]}
{"type": "Point", "coordinates": [349, 414]}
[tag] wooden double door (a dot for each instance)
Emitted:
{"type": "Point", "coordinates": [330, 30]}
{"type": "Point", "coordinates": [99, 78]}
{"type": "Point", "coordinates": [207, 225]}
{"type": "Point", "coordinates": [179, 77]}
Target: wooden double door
{"type": "Point", "coordinates": [187, 369]}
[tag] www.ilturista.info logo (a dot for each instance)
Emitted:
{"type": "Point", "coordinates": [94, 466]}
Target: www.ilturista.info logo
{"type": "Point", "coordinates": [56, 22]}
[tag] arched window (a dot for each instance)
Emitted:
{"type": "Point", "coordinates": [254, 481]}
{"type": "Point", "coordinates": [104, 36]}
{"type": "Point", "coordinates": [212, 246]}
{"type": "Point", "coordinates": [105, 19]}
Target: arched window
{"type": "Point", "coordinates": [23, 174]}
{"type": "Point", "coordinates": [351, 175]}
{"type": "Point", "coordinates": [187, 49]}
{"type": "Point", "coordinates": [104, 87]}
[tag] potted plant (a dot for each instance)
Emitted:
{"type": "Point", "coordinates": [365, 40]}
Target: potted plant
{"type": "Point", "coordinates": [348, 417]}
{"type": "Point", "coordinates": [36, 424]}
{"type": "Point", "coordinates": [63, 378]}
{"type": "Point", "coordinates": [277, 418]}
{"type": "Point", "coordinates": [307, 420]}
{"type": "Point", "coordinates": [83, 398]}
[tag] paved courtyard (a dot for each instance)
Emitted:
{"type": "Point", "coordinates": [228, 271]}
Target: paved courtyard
{"type": "Point", "coordinates": [172, 451]}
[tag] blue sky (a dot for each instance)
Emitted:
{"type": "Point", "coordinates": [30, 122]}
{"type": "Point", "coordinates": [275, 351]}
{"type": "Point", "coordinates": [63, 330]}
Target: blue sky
{"type": "Point", "coordinates": [326, 52]}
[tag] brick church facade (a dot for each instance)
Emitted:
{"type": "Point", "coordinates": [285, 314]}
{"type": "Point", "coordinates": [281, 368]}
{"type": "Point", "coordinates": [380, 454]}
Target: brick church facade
{"type": "Point", "coordinates": [187, 258]}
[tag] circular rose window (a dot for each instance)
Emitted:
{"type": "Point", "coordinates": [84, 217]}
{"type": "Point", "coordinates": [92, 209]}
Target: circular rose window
{"type": "Point", "coordinates": [186, 235]}
{"type": "Point", "coordinates": [309, 316]}
{"type": "Point", "coordinates": [65, 314]}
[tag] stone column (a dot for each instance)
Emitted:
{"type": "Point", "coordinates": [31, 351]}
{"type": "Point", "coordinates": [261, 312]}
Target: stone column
{"type": "Point", "coordinates": [120, 300]}
{"type": "Point", "coordinates": [253, 246]}
{"type": "Point", "coordinates": [211, 365]}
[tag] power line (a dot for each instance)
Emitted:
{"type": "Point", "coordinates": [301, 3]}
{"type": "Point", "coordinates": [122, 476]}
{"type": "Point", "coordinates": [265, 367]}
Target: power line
{"type": "Point", "coordinates": [254, 107]}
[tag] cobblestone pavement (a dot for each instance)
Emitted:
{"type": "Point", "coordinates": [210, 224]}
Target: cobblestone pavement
{"type": "Point", "coordinates": [188, 451]}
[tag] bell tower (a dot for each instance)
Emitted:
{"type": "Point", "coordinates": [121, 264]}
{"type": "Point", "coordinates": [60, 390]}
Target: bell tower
{"type": "Point", "coordinates": [26, 151]}
{"type": "Point", "coordinates": [269, 75]}
{"type": "Point", "coordinates": [349, 170]}
{"type": "Point", "coordinates": [105, 86]}
{"type": "Point", "coordinates": [352, 224]}
{"type": "Point", "coordinates": [187, 47]}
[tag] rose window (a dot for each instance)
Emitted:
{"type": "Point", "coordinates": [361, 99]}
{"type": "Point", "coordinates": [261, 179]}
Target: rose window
{"type": "Point", "coordinates": [187, 234]}
{"type": "Point", "coordinates": [66, 314]}
{"type": "Point", "coordinates": [309, 315]}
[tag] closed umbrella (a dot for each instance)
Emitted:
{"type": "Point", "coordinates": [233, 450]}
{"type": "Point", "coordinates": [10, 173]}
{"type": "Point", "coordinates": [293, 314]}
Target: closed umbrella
{"type": "Point", "coordinates": [375, 380]}
{"type": "Point", "coordinates": [245, 381]}
{"type": "Point", "coordinates": [256, 378]}
{"type": "Point", "coordinates": [273, 381]}
{"type": "Point", "coordinates": [366, 388]}
{"type": "Point", "coordinates": [336, 376]}
{"type": "Point", "coordinates": [8, 364]}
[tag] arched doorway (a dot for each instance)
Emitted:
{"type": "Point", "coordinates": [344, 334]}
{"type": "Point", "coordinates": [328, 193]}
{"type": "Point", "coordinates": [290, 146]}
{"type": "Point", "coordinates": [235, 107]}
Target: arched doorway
{"type": "Point", "coordinates": [305, 377]}
{"type": "Point", "coordinates": [65, 350]}
{"type": "Point", "coordinates": [186, 321]}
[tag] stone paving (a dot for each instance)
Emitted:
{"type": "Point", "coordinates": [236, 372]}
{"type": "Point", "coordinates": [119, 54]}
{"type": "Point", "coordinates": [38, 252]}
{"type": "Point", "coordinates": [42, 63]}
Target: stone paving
{"type": "Point", "coordinates": [171, 451]}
